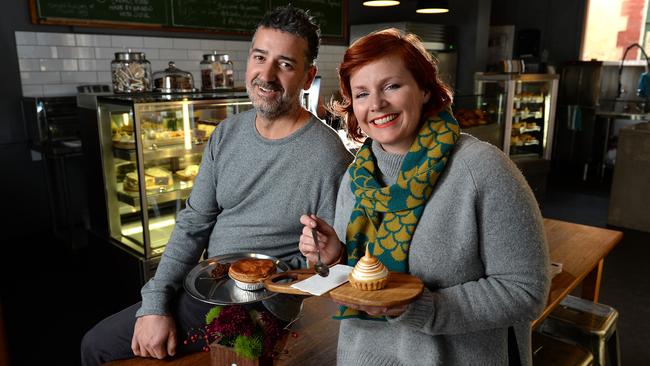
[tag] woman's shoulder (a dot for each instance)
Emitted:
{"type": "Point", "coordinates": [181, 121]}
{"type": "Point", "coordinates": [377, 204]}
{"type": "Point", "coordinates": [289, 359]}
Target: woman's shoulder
{"type": "Point", "coordinates": [473, 152]}
{"type": "Point", "coordinates": [482, 160]}
{"type": "Point", "coordinates": [469, 146]}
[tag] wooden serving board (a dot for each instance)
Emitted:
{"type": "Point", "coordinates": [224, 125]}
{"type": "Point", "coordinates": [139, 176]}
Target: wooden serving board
{"type": "Point", "coordinates": [402, 289]}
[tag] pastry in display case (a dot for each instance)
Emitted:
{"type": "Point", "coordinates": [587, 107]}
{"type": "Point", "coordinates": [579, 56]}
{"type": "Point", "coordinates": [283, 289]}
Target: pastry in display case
{"type": "Point", "coordinates": [481, 116]}
{"type": "Point", "coordinates": [528, 110]}
{"type": "Point", "coordinates": [151, 148]}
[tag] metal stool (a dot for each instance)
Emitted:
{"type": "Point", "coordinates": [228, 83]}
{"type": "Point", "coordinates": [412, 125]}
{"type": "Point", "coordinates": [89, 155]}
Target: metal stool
{"type": "Point", "coordinates": [551, 351]}
{"type": "Point", "coordinates": [589, 324]}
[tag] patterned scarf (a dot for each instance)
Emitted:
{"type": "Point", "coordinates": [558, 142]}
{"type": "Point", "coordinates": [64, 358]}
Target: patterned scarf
{"type": "Point", "coordinates": [400, 204]}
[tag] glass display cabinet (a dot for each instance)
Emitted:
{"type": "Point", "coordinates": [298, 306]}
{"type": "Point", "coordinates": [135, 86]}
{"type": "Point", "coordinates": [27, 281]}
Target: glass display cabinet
{"type": "Point", "coordinates": [522, 106]}
{"type": "Point", "coordinates": [482, 116]}
{"type": "Point", "coordinates": [151, 147]}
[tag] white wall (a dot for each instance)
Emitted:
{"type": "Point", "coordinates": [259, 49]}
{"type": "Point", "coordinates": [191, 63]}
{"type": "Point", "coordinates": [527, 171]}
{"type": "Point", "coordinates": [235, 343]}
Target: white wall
{"type": "Point", "coordinates": [53, 64]}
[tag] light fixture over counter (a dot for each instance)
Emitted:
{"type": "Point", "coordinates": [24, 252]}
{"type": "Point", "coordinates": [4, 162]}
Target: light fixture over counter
{"type": "Point", "coordinates": [432, 6]}
{"type": "Point", "coordinates": [379, 3]}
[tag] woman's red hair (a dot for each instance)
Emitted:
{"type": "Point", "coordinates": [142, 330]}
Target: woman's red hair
{"type": "Point", "coordinates": [416, 58]}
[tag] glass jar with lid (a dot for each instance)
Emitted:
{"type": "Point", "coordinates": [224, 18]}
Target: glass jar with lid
{"type": "Point", "coordinates": [131, 72]}
{"type": "Point", "coordinates": [217, 72]}
{"type": "Point", "coordinates": [173, 80]}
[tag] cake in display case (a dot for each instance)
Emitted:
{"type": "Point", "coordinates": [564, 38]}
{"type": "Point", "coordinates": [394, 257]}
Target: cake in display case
{"type": "Point", "coordinates": [523, 106]}
{"type": "Point", "coordinates": [151, 147]}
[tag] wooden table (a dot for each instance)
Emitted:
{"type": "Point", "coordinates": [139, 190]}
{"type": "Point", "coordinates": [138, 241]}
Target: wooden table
{"type": "Point", "coordinates": [581, 250]}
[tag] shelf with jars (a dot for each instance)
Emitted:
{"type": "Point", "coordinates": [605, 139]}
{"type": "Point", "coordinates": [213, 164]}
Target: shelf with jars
{"type": "Point", "coordinates": [151, 147]}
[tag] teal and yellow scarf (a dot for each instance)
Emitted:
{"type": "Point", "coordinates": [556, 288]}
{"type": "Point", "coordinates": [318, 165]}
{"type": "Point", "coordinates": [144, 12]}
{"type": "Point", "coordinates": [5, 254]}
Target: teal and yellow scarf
{"type": "Point", "coordinates": [400, 204]}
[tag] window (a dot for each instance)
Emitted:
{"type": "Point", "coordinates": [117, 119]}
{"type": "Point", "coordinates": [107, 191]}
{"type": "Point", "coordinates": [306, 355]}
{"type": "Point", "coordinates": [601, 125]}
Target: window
{"type": "Point", "coordinates": [613, 25]}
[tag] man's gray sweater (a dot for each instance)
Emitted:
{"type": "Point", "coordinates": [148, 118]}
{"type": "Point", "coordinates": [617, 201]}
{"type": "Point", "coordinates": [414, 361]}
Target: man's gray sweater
{"type": "Point", "coordinates": [248, 196]}
{"type": "Point", "coordinates": [480, 250]}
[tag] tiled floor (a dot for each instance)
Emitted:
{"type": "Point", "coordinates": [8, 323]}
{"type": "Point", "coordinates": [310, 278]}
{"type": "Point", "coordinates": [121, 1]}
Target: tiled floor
{"type": "Point", "coordinates": [56, 295]}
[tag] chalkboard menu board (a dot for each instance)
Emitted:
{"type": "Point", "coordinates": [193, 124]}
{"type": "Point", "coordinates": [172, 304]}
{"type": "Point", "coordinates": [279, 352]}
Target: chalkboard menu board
{"type": "Point", "coordinates": [237, 17]}
{"type": "Point", "coordinates": [330, 14]}
{"type": "Point", "coordinates": [136, 11]}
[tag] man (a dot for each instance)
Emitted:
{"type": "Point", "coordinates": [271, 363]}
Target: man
{"type": "Point", "coordinates": [261, 170]}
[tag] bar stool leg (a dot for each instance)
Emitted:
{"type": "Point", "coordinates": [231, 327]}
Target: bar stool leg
{"type": "Point", "coordinates": [613, 350]}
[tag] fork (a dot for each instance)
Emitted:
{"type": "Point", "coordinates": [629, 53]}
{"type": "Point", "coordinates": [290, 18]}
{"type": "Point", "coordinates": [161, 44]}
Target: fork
{"type": "Point", "coordinates": [320, 268]}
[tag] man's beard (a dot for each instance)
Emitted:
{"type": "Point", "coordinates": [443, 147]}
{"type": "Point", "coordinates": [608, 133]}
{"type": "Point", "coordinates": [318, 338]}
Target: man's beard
{"type": "Point", "coordinates": [270, 108]}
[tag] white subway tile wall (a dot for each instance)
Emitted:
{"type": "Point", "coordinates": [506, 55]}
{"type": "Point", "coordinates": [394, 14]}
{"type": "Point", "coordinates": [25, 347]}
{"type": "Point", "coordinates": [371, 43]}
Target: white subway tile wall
{"type": "Point", "coordinates": [53, 64]}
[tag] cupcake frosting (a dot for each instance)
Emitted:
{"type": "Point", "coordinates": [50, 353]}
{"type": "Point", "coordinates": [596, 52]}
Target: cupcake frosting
{"type": "Point", "coordinates": [369, 268]}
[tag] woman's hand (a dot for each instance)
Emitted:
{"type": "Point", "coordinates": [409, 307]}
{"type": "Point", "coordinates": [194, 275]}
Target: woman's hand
{"type": "Point", "coordinates": [377, 310]}
{"type": "Point", "coordinates": [330, 246]}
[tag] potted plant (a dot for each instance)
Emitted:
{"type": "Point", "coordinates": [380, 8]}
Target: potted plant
{"type": "Point", "coordinates": [235, 335]}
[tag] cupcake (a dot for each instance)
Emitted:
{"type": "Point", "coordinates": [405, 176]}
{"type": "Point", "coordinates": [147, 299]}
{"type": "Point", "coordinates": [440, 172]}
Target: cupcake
{"type": "Point", "coordinates": [369, 273]}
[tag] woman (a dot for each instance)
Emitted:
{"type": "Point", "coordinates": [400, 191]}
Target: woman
{"type": "Point", "coordinates": [440, 205]}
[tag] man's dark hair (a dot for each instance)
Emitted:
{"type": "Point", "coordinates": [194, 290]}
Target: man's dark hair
{"type": "Point", "coordinates": [297, 22]}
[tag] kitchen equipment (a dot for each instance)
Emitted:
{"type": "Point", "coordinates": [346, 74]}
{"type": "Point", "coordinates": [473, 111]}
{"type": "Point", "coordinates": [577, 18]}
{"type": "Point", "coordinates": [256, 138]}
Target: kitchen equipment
{"type": "Point", "coordinates": [200, 284]}
{"type": "Point", "coordinates": [629, 199]}
{"type": "Point", "coordinates": [54, 132]}
{"type": "Point", "coordinates": [173, 80]}
{"type": "Point", "coordinates": [131, 72]}
{"type": "Point", "coordinates": [217, 72]}
{"type": "Point", "coordinates": [320, 268]}
{"type": "Point", "coordinates": [402, 289]}
{"type": "Point", "coordinates": [52, 121]}
{"type": "Point", "coordinates": [595, 100]}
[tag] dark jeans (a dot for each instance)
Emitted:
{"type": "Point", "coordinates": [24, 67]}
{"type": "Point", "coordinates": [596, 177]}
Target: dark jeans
{"type": "Point", "coordinates": [111, 338]}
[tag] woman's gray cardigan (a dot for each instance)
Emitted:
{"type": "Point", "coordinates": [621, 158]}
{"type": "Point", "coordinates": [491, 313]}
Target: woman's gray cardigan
{"type": "Point", "coordinates": [481, 251]}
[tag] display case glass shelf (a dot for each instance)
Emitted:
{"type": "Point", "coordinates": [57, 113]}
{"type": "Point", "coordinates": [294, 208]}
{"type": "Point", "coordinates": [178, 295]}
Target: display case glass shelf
{"type": "Point", "coordinates": [523, 106]}
{"type": "Point", "coordinates": [151, 148]}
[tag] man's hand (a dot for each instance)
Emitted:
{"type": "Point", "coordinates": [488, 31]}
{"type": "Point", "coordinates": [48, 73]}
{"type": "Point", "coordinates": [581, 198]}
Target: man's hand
{"type": "Point", "coordinates": [330, 246]}
{"type": "Point", "coordinates": [154, 336]}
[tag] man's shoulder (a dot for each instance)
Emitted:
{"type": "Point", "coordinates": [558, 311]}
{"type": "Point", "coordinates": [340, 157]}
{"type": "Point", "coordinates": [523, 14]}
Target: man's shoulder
{"type": "Point", "coordinates": [231, 127]}
{"type": "Point", "coordinates": [327, 137]}
{"type": "Point", "coordinates": [321, 127]}
{"type": "Point", "coordinates": [237, 120]}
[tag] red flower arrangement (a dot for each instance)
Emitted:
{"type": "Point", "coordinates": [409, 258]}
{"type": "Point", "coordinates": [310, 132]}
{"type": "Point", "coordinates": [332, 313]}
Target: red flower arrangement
{"type": "Point", "coordinates": [252, 334]}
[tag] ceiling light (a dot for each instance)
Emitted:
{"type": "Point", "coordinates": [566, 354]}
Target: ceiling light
{"type": "Point", "coordinates": [378, 3]}
{"type": "Point", "coordinates": [432, 6]}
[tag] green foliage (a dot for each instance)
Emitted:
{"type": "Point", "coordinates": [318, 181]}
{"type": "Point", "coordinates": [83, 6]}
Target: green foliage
{"type": "Point", "coordinates": [228, 341]}
{"type": "Point", "coordinates": [248, 347]}
{"type": "Point", "coordinates": [212, 314]}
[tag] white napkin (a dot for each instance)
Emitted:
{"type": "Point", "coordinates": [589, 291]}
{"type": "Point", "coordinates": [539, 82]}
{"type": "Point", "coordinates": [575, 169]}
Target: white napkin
{"type": "Point", "coordinates": [556, 269]}
{"type": "Point", "coordinates": [317, 285]}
